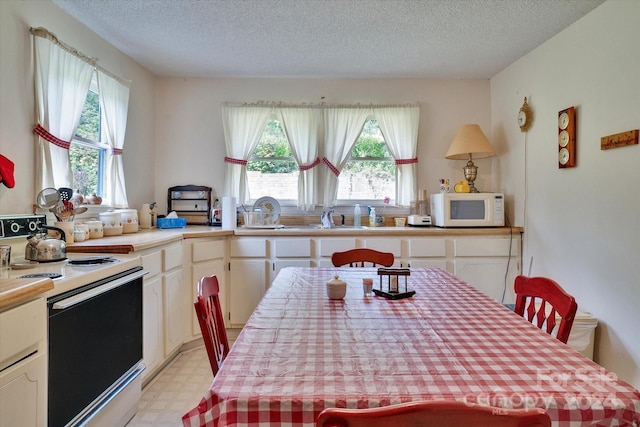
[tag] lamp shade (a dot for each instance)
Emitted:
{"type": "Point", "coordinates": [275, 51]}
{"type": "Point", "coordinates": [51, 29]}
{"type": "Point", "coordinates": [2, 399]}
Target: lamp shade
{"type": "Point", "coordinates": [470, 140]}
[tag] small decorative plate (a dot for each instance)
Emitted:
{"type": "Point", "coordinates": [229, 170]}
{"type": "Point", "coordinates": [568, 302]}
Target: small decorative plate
{"type": "Point", "coordinates": [270, 209]}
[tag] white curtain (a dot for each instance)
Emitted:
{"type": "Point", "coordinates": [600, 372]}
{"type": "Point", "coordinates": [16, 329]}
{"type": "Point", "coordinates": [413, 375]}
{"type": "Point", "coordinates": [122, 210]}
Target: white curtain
{"type": "Point", "coordinates": [342, 128]}
{"type": "Point", "coordinates": [243, 127]}
{"type": "Point", "coordinates": [62, 79]}
{"type": "Point", "coordinates": [302, 128]}
{"type": "Point", "coordinates": [114, 105]}
{"type": "Point", "coordinates": [399, 126]}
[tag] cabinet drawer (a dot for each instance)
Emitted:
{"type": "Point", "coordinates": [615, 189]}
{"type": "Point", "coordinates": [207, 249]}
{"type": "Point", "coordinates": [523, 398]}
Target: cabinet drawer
{"type": "Point", "coordinates": [206, 251]}
{"type": "Point", "coordinates": [172, 257]}
{"type": "Point", "coordinates": [329, 246]}
{"type": "Point", "coordinates": [427, 248]}
{"type": "Point", "coordinates": [293, 248]}
{"type": "Point", "coordinates": [152, 263]}
{"type": "Point", "coordinates": [248, 248]}
{"type": "Point", "coordinates": [385, 245]}
{"type": "Point", "coordinates": [21, 329]}
{"type": "Point", "coordinates": [486, 247]}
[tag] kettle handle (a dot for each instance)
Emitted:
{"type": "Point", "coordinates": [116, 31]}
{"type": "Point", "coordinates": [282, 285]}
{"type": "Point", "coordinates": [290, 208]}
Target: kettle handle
{"type": "Point", "coordinates": [63, 237]}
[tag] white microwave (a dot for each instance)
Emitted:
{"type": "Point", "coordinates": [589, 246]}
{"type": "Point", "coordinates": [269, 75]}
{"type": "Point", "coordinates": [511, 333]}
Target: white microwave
{"type": "Point", "coordinates": [467, 209]}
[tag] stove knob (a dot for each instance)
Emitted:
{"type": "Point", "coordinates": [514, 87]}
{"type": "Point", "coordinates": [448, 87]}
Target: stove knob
{"type": "Point", "coordinates": [33, 225]}
{"type": "Point", "coordinates": [15, 227]}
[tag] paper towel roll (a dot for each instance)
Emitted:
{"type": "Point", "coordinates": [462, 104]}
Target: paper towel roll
{"type": "Point", "coordinates": [229, 214]}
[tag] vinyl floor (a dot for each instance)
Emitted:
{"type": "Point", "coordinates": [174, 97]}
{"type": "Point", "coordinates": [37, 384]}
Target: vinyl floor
{"type": "Point", "coordinates": [176, 389]}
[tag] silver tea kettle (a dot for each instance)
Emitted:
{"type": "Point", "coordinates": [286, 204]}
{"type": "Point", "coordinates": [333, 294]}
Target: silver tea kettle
{"type": "Point", "coordinates": [42, 248]}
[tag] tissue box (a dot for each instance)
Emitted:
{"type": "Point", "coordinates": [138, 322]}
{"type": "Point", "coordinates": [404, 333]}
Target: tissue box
{"type": "Point", "coordinates": [172, 222]}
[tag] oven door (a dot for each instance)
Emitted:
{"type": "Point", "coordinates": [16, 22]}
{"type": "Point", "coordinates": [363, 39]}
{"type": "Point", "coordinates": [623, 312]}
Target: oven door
{"type": "Point", "coordinates": [95, 340]}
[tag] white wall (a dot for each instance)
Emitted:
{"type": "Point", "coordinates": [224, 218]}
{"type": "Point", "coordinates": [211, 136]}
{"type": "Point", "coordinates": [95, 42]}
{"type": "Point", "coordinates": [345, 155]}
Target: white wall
{"type": "Point", "coordinates": [17, 105]}
{"type": "Point", "coordinates": [191, 142]}
{"type": "Point", "coordinates": [582, 225]}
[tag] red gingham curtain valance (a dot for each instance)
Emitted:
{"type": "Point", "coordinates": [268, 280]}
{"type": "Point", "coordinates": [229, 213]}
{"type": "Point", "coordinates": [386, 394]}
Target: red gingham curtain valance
{"type": "Point", "coordinates": [43, 133]}
{"type": "Point", "coordinates": [315, 163]}
{"type": "Point", "coordinates": [235, 161]}
{"type": "Point", "coordinates": [406, 161]}
{"type": "Point", "coordinates": [331, 167]}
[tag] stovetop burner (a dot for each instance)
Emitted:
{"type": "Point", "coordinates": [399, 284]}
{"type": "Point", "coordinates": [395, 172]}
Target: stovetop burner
{"type": "Point", "coordinates": [93, 260]}
{"type": "Point", "coordinates": [41, 275]}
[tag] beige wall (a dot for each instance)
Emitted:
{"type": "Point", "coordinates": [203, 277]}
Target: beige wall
{"type": "Point", "coordinates": [582, 224]}
{"type": "Point", "coordinates": [17, 110]}
{"type": "Point", "coordinates": [191, 142]}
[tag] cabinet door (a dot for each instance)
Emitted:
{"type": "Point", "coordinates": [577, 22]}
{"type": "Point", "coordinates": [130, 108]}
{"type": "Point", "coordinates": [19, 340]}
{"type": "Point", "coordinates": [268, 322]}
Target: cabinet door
{"type": "Point", "coordinates": [173, 317]}
{"type": "Point", "coordinates": [211, 268]}
{"type": "Point", "coordinates": [152, 324]}
{"type": "Point", "coordinates": [23, 389]}
{"type": "Point", "coordinates": [487, 274]}
{"type": "Point", "coordinates": [282, 263]}
{"type": "Point", "coordinates": [428, 252]}
{"type": "Point", "coordinates": [247, 278]}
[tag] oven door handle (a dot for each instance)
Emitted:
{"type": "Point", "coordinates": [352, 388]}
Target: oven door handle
{"type": "Point", "coordinates": [77, 299]}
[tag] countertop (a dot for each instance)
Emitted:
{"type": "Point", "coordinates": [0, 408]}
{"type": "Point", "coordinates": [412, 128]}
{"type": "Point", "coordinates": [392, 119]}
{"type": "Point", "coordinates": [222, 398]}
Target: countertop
{"type": "Point", "coordinates": [145, 239]}
{"type": "Point", "coordinates": [13, 291]}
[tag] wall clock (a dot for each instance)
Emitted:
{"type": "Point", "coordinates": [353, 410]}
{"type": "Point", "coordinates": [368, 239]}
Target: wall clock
{"type": "Point", "coordinates": [567, 138]}
{"type": "Point", "coordinates": [525, 116]}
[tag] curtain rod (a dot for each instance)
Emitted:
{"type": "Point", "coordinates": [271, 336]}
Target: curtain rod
{"type": "Point", "coordinates": [322, 105]}
{"type": "Point", "coordinates": [46, 34]}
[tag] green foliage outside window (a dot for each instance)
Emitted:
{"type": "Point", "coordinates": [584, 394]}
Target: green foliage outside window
{"type": "Point", "coordinates": [84, 154]}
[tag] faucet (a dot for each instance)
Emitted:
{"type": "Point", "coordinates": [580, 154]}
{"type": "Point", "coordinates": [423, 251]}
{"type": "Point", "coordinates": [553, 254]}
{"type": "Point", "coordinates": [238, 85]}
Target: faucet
{"type": "Point", "coordinates": [325, 219]}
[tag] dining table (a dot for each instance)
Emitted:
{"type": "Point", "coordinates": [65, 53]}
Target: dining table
{"type": "Point", "coordinates": [301, 352]}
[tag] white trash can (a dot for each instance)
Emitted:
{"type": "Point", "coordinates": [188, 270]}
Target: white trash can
{"type": "Point", "coordinates": [583, 333]}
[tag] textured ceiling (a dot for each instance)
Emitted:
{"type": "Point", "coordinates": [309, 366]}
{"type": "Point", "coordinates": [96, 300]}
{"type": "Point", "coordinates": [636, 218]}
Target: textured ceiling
{"type": "Point", "coordinates": [327, 38]}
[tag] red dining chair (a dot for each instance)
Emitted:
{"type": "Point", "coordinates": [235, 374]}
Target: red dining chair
{"type": "Point", "coordinates": [358, 258]}
{"type": "Point", "coordinates": [540, 292]}
{"type": "Point", "coordinates": [433, 413]}
{"type": "Point", "coordinates": [211, 320]}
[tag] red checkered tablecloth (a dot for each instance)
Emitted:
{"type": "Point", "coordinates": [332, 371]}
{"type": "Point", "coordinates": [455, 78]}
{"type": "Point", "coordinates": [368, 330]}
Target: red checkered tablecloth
{"type": "Point", "coordinates": [301, 352]}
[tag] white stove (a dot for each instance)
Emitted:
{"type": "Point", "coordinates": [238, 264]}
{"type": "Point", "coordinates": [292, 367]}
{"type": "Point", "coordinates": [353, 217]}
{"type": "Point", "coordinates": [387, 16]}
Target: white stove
{"type": "Point", "coordinates": [68, 276]}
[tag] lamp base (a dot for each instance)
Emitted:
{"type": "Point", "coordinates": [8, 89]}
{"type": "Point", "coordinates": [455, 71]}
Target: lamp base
{"type": "Point", "coordinates": [470, 174]}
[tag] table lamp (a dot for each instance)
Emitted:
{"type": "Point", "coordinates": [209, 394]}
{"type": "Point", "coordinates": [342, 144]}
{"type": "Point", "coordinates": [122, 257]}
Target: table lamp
{"type": "Point", "coordinates": [470, 141]}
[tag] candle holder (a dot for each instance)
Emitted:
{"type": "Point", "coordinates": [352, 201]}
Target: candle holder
{"type": "Point", "coordinates": [394, 289]}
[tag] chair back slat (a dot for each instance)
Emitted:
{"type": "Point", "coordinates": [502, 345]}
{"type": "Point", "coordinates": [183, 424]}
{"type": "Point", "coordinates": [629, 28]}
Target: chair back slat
{"type": "Point", "coordinates": [211, 321]}
{"type": "Point", "coordinates": [554, 301]}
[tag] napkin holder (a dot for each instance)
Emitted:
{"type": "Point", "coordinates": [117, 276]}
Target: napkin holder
{"type": "Point", "coordinates": [395, 289]}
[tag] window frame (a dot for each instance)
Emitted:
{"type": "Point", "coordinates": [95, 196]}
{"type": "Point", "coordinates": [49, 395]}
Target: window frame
{"type": "Point", "coordinates": [99, 146]}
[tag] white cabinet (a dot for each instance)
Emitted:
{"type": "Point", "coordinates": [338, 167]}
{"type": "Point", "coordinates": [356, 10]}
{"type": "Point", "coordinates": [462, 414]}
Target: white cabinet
{"type": "Point", "coordinates": [162, 312]}
{"type": "Point", "coordinates": [248, 277]}
{"type": "Point", "coordinates": [479, 259]}
{"type": "Point", "coordinates": [386, 244]}
{"type": "Point", "coordinates": [328, 245]}
{"type": "Point", "coordinates": [23, 365]}
{"type": "Point", "coordinates": [291, 252]}
{"type": "Point", "coordinates": [204, 256]}
{"type": "Point", "coordinates": [490, 264]}
{"type": "Point", "coordinates": [151, 325]}
{"type": "Point", "coordinates": [172, 298]}
{"type": "Point", "coordinates": [427, 252]}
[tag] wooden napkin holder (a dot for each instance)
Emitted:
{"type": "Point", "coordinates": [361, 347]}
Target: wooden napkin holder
{"type": "Point", "coordinates": [394, 289]}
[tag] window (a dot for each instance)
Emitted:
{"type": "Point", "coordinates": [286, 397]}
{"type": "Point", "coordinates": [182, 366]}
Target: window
{"type": "Point", "coordinates": [87, 153]}
{"type": "Point", "coordinates": [368, 175]}
{"type": "Point", "coordinates": [271, 169]}
{"type": "Point", "coordinates": [370, 172]}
